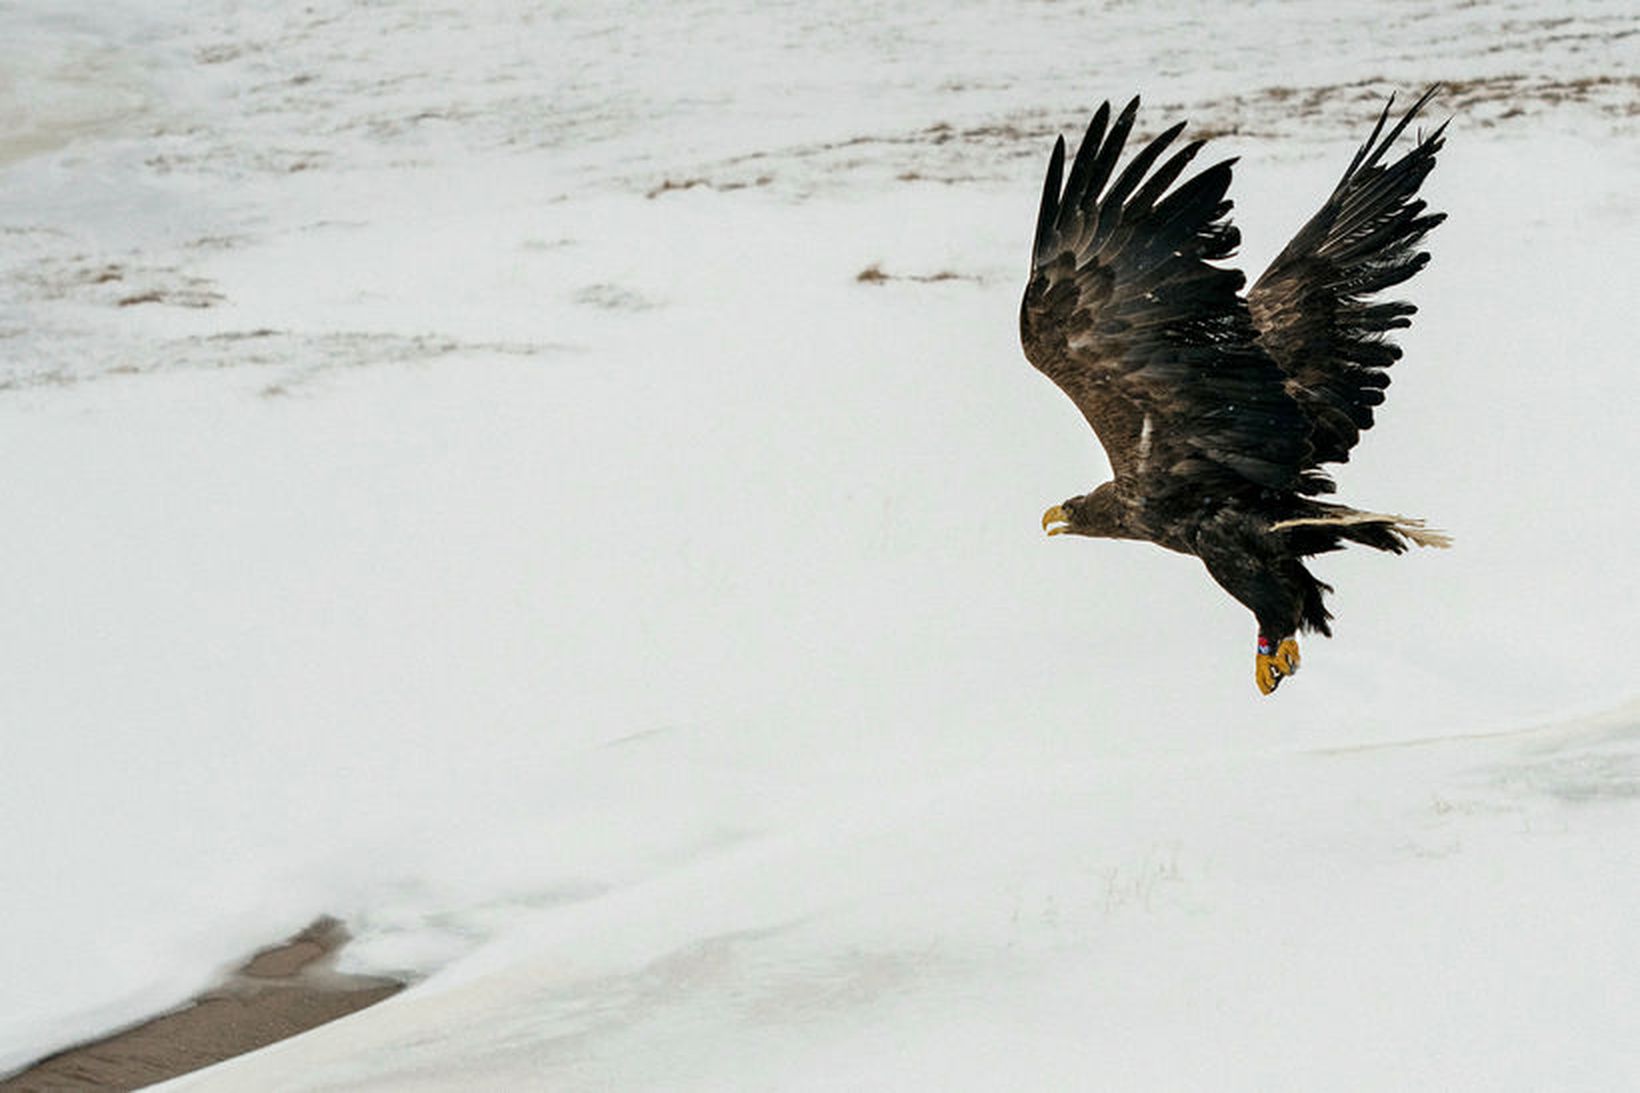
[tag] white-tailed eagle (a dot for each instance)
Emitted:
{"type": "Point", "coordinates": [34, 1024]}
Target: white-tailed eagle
{"type": "Point", "coordinates": [1217, 410]}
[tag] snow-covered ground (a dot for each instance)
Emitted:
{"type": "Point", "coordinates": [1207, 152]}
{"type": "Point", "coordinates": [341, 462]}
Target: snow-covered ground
{"type": "Point", "coordinates": [454, 480]}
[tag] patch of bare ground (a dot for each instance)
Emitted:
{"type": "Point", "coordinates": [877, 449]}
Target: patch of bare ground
{"type": "Point", "coordinates": [277, 993]}
{"type": "Point", "coordinates": [874, 274]}
{"type": "Point", "coordinates": [952, 152]}
{"type": "Point", "coordinates": [611, 297]}
{"type": "Point", "coordinates": [120, 284]}
{"type": "Point", "coordinates": [1483, 100]}
{"type": "Point", "coordinates": [295, 358]}
{"type": "Point", "coordinates": [187, 297]}
{"type": "Point", "coordinates": [672, 185]}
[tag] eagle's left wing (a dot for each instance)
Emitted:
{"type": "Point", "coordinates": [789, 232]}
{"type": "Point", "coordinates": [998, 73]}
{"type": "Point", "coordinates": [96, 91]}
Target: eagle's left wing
{"type": "Point", "coordinates": [1313, 306]}
{"type": "Point", "coordinates": [1125, 314]}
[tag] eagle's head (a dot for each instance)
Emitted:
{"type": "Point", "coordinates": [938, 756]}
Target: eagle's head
{"type": "Point", "coordinates": [1097, 514]}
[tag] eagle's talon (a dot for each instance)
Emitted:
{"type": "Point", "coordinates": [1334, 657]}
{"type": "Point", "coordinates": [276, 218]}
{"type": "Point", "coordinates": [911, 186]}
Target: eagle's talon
{"type": "Point", "coordinates": [1271, 668]}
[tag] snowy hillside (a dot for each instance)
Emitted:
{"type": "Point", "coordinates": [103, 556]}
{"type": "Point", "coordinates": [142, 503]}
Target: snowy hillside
{"type": "Point", "coordinates": [456, 481]}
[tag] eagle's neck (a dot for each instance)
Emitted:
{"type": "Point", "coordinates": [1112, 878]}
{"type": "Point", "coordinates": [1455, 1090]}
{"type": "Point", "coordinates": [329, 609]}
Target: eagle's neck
{"type": "Point", "coordinates": [1104, 515]}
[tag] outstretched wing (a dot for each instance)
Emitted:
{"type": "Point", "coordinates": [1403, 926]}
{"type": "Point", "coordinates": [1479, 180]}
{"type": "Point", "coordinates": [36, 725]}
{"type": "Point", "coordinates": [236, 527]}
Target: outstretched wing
{"type": "Point", "coordinates": [1126, 314]}
{"type": "Point", "coordinates": [1312, 306]}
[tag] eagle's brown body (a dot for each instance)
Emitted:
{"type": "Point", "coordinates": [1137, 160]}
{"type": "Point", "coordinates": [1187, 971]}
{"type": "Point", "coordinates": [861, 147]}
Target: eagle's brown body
{"type": "Point", "coordinates": [1217, 411]}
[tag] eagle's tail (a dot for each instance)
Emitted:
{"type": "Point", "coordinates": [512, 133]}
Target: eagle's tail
{"type": "Point", "coordinates": [1333, 525]}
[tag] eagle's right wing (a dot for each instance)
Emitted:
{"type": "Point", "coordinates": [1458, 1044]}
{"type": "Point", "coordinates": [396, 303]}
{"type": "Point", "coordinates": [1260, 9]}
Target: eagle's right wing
{"type": "Point", "coordinates": [1152, 343]}
{"type": "Point", "coordinates": [1313, 306]}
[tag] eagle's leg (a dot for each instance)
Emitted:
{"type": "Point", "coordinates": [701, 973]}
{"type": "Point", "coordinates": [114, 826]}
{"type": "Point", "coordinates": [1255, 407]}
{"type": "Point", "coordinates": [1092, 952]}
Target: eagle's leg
{"type": "Point", "coordinates": [1274, 662]}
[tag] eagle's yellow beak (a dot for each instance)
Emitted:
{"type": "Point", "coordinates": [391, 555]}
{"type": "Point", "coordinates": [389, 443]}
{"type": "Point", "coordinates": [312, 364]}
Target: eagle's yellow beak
{"type": "Point", "coordinates": [1055, 515]}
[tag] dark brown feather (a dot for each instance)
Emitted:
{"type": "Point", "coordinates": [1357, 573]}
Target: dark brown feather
{"type": "Point", "coordinates": [1313, 305]}
{"type": "Point", "coordinates": [1216, 411]}
{"type": "Point", "coordinates": [1126, 313]}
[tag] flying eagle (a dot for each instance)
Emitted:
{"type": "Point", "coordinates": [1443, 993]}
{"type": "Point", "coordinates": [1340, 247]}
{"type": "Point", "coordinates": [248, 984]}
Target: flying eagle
{"type": "Point", "coordinates": [1216, 410]}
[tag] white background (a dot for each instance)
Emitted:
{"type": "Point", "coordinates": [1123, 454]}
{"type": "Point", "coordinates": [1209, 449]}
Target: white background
{"type": "Point", "coordinates": [452, 479]}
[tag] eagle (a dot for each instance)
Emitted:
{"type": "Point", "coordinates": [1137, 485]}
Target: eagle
{"type": "Point", "coordinates": [1218, 410]}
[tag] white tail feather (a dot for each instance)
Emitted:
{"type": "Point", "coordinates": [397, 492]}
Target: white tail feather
{"type": "Point", "coordinates": [1411, 527]}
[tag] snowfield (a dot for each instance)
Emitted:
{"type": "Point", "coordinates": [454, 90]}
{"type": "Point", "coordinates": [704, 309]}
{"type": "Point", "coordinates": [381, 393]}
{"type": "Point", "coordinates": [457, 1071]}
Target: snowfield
{"type": "Point", "coordinates": [457, 481]}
